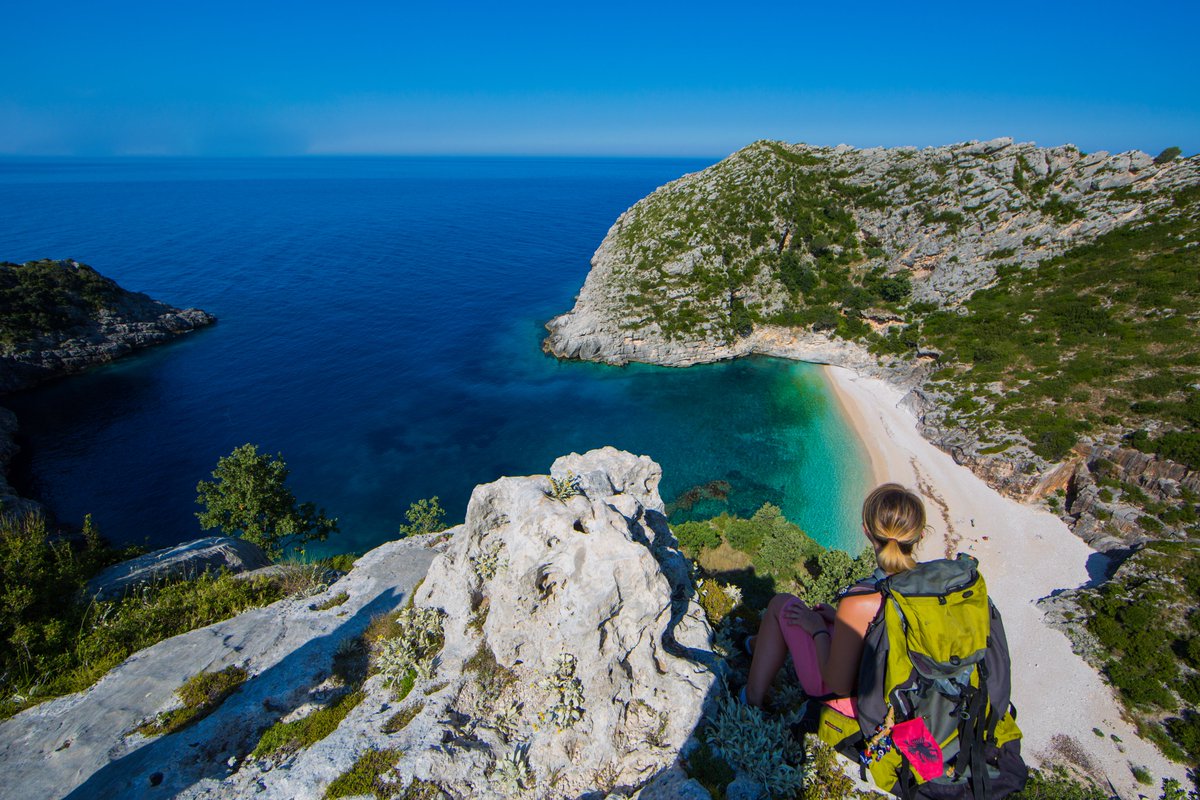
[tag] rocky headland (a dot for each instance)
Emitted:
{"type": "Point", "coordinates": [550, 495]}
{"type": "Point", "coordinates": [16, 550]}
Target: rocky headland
{"type": "Point", "coordinates": [849, 257]}
{"type": "Point", "coordinates": [62, 317]}
{"type": "Point", "coordinates": [1038, 310]}
{"type": "Point", "coordinates": [58, 318]}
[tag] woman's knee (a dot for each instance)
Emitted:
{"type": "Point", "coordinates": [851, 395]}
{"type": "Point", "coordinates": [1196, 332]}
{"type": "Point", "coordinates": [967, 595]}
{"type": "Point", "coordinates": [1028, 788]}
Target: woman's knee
{"type": "Point", "coordinates": [775, 607]}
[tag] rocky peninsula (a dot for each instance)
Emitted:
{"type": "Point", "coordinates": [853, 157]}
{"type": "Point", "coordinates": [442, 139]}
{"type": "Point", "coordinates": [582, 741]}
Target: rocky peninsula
{"type": "Point", "coordinates": [61, 317]}
{"type": "Point", "coordinates": [868, 259]}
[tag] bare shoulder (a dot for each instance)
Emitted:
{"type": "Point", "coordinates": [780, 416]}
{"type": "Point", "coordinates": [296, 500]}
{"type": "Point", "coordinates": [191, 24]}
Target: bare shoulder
{"type": "Point", "coordinates": [859, 607]}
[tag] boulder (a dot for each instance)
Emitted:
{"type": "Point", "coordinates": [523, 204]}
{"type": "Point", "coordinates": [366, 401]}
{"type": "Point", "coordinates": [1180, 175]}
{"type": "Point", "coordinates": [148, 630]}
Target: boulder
{"type": "Point", "coordinates": [581, 606]}
{"type": "Point", "coordinates": [187, 560]}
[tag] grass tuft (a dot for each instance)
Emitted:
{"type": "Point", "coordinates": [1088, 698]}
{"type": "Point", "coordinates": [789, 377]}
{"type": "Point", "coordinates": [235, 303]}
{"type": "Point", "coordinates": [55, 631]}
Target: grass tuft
{"type": "Point", "coordinates": [288, 737]}
{"type": "Point", "coordinates": [201, 694]}
{"type": "Point", "coordinates": [367, 776]}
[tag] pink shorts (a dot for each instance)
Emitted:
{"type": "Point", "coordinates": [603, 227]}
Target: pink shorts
{"type": "Point", "coordinates": [804, 657]}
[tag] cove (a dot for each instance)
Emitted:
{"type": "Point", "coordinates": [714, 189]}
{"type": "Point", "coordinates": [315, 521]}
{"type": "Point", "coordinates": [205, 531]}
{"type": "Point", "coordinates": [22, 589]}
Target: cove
{"type": "Point", "coordinates": [381, 321]}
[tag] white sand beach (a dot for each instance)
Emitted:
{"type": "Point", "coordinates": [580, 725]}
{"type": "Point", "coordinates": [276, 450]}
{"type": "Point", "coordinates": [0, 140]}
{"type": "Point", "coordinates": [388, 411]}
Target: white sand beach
{"type": "Point", "coordinates": [1025, 553]}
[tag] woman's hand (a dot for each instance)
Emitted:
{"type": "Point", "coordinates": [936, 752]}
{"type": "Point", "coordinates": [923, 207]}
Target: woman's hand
{"type": "Point", "coordinates": [800, 615]}
{"type": "Point", "coordinates": [826, 611]}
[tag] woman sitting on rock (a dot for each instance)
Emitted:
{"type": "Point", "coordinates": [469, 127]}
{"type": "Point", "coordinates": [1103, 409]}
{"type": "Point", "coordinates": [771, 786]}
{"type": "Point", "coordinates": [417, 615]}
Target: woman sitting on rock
{"type": "Point", "coordinates": [826, 643]}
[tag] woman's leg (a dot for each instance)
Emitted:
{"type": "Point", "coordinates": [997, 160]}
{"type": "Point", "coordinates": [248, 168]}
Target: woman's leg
{"type": "Point", "coordinates": [770, 651]}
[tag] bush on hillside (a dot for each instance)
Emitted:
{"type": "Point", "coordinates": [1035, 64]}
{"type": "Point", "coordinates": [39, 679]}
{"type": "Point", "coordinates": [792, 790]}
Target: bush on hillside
{"type": "Point", "coordinates": [1168, 155]}
{"type": "Point", "coordinates": [250, 499]}
{"type": "Point", "coordinates": [696, 536]}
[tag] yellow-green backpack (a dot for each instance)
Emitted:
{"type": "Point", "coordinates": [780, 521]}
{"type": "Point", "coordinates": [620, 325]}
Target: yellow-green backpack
{"type": "Point", "coordinates": [934, 717]}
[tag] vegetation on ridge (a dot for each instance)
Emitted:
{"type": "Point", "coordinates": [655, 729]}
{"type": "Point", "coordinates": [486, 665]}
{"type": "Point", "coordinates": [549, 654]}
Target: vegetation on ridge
{"type": "Point", "coordinates": [200, 695]}
{"type": "Point", "coordinates": [1147, 618]}
{"type": "Point", "coordinates": [41, 296]}
{"type": "Point", "coordinates": [1102, 340]}
{"type": "Point", "coordinates": [57, 641]}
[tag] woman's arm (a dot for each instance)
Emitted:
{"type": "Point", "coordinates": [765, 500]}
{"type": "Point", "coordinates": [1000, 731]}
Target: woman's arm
{"type": "Point", "coordinates": [838, 655]}
{"type": "Point", "coordinates": [840, 668]}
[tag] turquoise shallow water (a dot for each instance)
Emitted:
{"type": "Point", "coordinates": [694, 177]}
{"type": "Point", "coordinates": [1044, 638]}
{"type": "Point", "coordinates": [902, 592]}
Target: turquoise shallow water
{"type": "Point", "coordinates": [381, 322]}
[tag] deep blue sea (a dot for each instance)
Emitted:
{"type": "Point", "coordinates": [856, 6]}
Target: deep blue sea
{"type": "Point", "coordinates": [380, 326]}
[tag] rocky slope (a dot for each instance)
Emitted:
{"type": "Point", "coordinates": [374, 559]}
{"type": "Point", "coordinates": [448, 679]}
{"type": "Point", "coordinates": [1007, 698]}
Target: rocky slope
{"type": "Point", "coordinates": [61, 317]}
{"type": "Point", "coordinates": [668, 279]}
{"type": "Point", "coordinates": [570, 659]}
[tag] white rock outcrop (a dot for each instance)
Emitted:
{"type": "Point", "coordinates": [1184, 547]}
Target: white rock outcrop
{"type": "Point", "coordinates": [594, 581]}
{"type": "Point", "coordinates": [182, 561]}
{"type": "Point", "coordinates": [572, 647]}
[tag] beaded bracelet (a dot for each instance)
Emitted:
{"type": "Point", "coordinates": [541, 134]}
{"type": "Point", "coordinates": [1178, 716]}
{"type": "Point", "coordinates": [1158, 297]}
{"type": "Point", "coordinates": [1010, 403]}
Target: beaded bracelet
{"type": "Point", "coordinates": [824, 632]}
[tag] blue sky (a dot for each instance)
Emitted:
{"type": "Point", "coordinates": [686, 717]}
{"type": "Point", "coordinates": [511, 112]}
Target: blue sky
{"type": "Point", "coordinates": [620, 78]}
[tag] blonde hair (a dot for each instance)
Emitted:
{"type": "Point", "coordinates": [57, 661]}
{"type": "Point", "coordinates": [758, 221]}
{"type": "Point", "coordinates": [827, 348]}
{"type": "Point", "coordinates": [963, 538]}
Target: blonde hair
{"type": "Point", "coordinates": [895, 520]}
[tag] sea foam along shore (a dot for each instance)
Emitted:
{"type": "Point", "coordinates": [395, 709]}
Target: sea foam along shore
{"type": "Point", "coordinates": [1025, 554]}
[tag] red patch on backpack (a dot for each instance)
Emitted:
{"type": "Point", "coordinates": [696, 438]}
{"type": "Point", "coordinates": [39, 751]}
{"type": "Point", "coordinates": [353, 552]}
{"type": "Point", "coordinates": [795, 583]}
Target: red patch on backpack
{"type": "Point", "coordinates": [920, 748]}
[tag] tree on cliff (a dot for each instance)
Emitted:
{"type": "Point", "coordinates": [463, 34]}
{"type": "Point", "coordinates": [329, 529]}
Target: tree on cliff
{"type": "Point", "coordinates": [250, 499]}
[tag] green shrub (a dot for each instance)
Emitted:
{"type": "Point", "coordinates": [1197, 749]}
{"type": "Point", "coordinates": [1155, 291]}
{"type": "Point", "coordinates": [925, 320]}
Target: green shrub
{"type": "Point", "coordinates": [696, 536]}
{"type": "Point", "coordinates": [1054, 783]}
{"type": "Point", "coordinates": [333, 602]}
{"type": "Point", "coordinates": [424, 516]}
{"type": "Point", "coordinates": [744, 535]}
{"type": "Point", "coordinates": [400, 720]}
{"type": "Point", "coordinates": [1168, 155]}
{"type": "Point", "coordinates": [715, 599]}
{"type": "Point", "coordinates": [55, 643]}
{"type": "Point", "coordinates": [1185, 730]}
{"type": "Point", "coordinates": [40, 297]}
{"type": "Point", "coordinates": [250, 499]}
{"type": "Point", "coordinates": [368, 775]}
{"type": "Point", "coordinates": [1180, 446]}
{"type": "Point", "coordinates": [832, 571]}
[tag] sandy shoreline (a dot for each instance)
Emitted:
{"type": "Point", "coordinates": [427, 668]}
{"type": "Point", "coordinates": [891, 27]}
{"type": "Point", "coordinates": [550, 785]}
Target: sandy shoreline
{"type": "Point", "coordinates": [1025, 554]}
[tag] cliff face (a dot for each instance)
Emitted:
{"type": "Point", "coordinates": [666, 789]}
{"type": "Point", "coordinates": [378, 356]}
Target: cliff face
{"type": "Point", "coordinates": [878, 259]}
{"type": "Point", "coordinates": [61, 317]}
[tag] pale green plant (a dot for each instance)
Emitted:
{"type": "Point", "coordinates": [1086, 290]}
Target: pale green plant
{"type": "Point", "coordinates": [414, 648]}
{"type": "Point", "coordinates": [758, 745]}
{"type": "Point", "coordinates": [1172, 790]}
{"type": "Point", "coordinates": [506, 720]}
{"type": "Point", "coordinates": [734, 593]}
{"type": "Point", "coordinates": [488, 563]}
{"type": "Point", "coordinates": [568, 689]}
{"type": "Point", "coordinates": [512, 773]}
{"type": "Point", "coordinates": [563, 488]}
